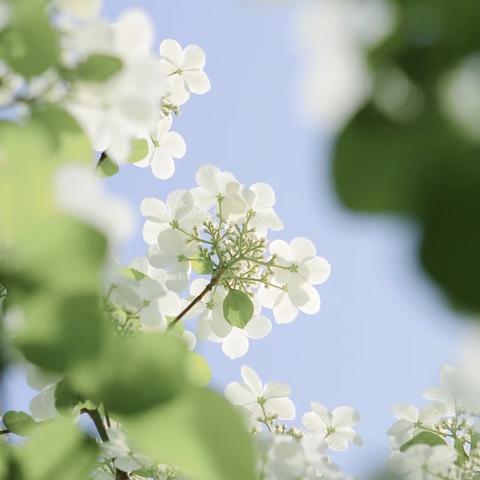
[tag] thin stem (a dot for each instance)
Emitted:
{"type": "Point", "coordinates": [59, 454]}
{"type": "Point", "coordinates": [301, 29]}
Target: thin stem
{"type": "Point", "coordinates": [4, 432]}
{"type": "Point", "coordinates": [97, 420]}
{"type": "Point", "coordinates": [102, 431]}
{"type": "Point", "coordinates": [197, 299]}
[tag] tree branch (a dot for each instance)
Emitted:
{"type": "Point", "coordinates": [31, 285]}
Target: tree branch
{"type": "Point", "coordinates": [197, 299]}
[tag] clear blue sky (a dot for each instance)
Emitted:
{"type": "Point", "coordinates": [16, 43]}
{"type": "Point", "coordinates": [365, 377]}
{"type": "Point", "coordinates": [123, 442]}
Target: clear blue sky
{"type": "Point", "coordinates": [383, 331]}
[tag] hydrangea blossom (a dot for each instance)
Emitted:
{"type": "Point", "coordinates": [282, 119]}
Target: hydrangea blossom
{"type": "Point", "coordinates": [263, 402]}
{"type": "Point", "coordinates": [336, 427]}
{"type": "Point", "coordinates": [163, 147]}
{"type": "Point", "coordinates": [184, 70]}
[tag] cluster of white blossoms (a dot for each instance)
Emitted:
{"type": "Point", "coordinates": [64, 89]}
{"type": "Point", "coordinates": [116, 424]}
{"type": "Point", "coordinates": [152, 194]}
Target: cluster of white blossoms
{"type": "Point", "coordinates": [287, 452]}
{"type": "Point", "coordinates": [218, 231]}
{"type": "Point", "coordinates": [441, 440]}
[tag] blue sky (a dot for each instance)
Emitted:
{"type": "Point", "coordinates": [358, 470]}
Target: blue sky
{"type": "Point", "coordinates": [383, 331]}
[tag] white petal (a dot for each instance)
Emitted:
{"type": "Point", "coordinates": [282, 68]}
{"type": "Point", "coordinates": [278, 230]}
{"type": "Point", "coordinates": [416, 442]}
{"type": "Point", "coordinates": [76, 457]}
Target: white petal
{"type": "Point", "coordinates": [258, 327]}
{"type": "Point", "coordinates": [154, 208]}
{"type": "Point", "coordinates": [281, 248]}
{"type": "Point", "coordinates": [322, 412]}
{"type": "Point", "coordinates": [251, 378]}
{"type": "Point", "coordinates": [337, 442]}
{"type": "Point", "coordinates": [163, 166]}
{"type": "Point", "coordinates": [264, 196]}
{"type": "Point", "coordinates": [174, 144]}
{"type": "Point", "coordinates": [194, 58]}
{"type": "Point", "coordinates": [169, 304]}
{"type": "Point", "coordinates": [344, 417]}
{"type": "Point", "coordinates": [235, 344]}
{"type": "Point", "coordinates": [277, 389]}
{"type": "Point", "coordinates": [178, 94]}
{"type": "Point", "coordinates": [239, 394]}
{"type": "Point", "coordinates": [172, 51]}
{"type": "Point", "coordinates": [317, 270]}
{"type": "Point", "coordinates": [406, 412]}
{"type": "Point", "coordinates": [270, 297]}
{"type": "Point", "coordinates": [134, 33]}
{"type": "Point", "coordinates": [313, 304]}
{"type": "Point", "coordinates": [151, 230]}
{"type": "Point", "coordinates": [197, 81]}
{"type": "Point", "coordinates": [313, 422]}
{"type": "Point", "coordinates": [285, 312]}
{"type": "Point", "coordinates": [298, 293]}
{"type": "Point", "coordinates": [207, 178]}
{"type": "Point", "coordinates": [283, 407]}
{"type": "Point", "coordinates": [302, 248]}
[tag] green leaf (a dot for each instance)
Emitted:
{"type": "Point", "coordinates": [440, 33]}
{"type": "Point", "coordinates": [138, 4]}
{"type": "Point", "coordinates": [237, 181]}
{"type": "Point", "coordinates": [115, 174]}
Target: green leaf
{"type": "Point", "coordinates": [66, 139]}
{"type": "Point", "coordinates": [99, 68]}
{"type": "Point", "coordinates": [237, 308]}
{"type": "Point", "coordinates": [66, 399]}
{"type": "Point", "coordinates": [423, 438]}
{"type": "Point", "coordinates": [60, 332]}
{"type": "Point", "coordinates": [29, 44]}
{"type": "Point", "coordinates": [135, 373]}
{"type": "Point", "coordinates": [198, 371]}
{"type": "Point", "coordinates": [139, 150]}
{"type": "Point", "coordinates": [19, 423]}
{"type": "Point", "coordinates": [107, 167]}
{"type": "Point", "coordinates": [199, 432]}
{"type": "Point", "coordinates": [462, 457]}
{"type": "Point", "coordinates": [57, 451]}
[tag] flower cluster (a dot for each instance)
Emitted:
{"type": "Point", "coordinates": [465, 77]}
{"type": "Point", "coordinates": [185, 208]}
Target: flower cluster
{"type": "Point", "coordinates": [441, 440]}
{"type": "Point", "coordinates": [287, 452]}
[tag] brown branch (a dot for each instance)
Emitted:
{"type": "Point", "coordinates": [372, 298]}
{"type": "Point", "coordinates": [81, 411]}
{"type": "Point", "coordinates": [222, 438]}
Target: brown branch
{"type": "Point", "coordinates": [197, 299]}
{"type": "Point", "coordinates": [102, 431]}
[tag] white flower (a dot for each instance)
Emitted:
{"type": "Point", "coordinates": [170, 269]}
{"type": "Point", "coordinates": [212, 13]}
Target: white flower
{"type": "Point", "coordinates": [214, 184]}
{"type": "Point", "coordinates": [184, 70]}
{"type": "Point", "coordinates": [124, 107]}
{"type": "Point", "coordinates": [179, 208]}
{"type": "Point", "coordinates": [163, 147]}
{"type": "Point", "coordinates": [445, 397]}
{"type": "Point", "coordinates": [213, 326]}
{"type": "Point", "coordinates": [422, 462]}
{"type": "Point", "coordinates": [410, 422]}
{"type": "Point", "coordinates": [336, 427]}
{"type": "Point", "coordinates": [286, 459]}
{"type": "Point", "coordinates": [300, 269]}
{"type": "Point", "coordinates": [261, 401]}
{"type": "Point", "coordinates": [260, 198]}
{"type": "Point", "coordinates": [149, 296]}
{"type": "Point", "coordinates": [78, 192]}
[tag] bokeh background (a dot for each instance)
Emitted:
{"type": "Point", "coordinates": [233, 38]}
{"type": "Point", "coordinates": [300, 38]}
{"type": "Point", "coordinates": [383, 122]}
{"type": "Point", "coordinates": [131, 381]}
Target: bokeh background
{"type": "Point", "coordinates": [383, 331]}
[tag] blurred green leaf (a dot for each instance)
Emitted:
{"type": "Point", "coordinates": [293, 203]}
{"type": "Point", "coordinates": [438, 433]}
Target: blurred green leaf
{"type": "Point", "coordinates": [134, 374]}
{"type": "Point", "coordinates": [66, 399]}
{"type": "Point", "coordinates": [423, 438]}
{"type": "Point", "coordinates": [402, 154]}
{"type": "Point", "coordinates": [98, 68]}
{"type": "Point", "coordinates": [67, 140]}
{"type": "Point", "coordinates": [237, 308]}
{"type": "Point", "coordinates": [199, 432]}
{"type": "Point", "coordinates": [198, 371]}
{"type": "Point", "coordinates": [29, 44]}
{"type": "Point", "coordinates": [60, 332]}
{"type": "Point", "coordinates": [107, 167]}
{"type": "Point", "coordinates": [19, 423]}
{"type": "Point", "coordinates": [57, 451]}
